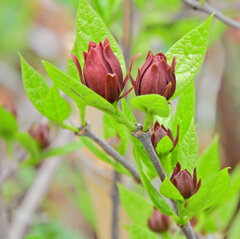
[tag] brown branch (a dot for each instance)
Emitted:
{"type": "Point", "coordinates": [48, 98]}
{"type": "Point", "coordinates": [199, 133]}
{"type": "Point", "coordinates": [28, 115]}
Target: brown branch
{"type": "Point", "coordinates": [145, 138]}
{"type": "Point", "coordinates": [86, 131]}
{"type": "Point", "coordinates": [210, 10]}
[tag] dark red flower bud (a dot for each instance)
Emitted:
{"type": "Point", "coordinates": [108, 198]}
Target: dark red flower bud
{"type": "Point", "coordinates": [184, 182]}
{"type": "Point", "coordinates": [158, 222]}
{"type": "Point", "coordinates": [41, 134]}
{"type": "Point", "coordinates": [102, 71]}
{"type": "Point", "coordinates": [156, 76]}
{"type": "Point", "coordinates": [159, 131]}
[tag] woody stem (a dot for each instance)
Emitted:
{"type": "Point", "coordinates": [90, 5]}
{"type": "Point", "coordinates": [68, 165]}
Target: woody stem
{"type": "Point", "coordinates": [145, 138]}
{"type": "Point", "coordinates": [86, 131]}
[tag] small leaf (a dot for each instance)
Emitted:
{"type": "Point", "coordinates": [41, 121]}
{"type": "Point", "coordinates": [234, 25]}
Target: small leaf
{"type": "Point", "coordinates": [138, 232]}
{"type": "Point", "coordinates": [138, 208]}
{"type": "Point", "coordinates": [209, 194]}
{"type": "Point", "coordinates": [164, 146]}
{"type": "Point", "coordinates": [209, 163]}
{"type": "Point", "coordinates": [166, 121]}
{"type": "Point", "coordinates": [55, 107]}
{"type": "Point", "coordinates": [190, 51]}
{"type": "Point", "coordinates": [29, 144]}
{"type": "Point", "coordinates": [188, 150]}
{"type": "Point", "coordinates": [77, 91]}
{"type": "Point", "coordinates": [168, 190]}
{"type": "Point", "coordinates": [151, 104]}
{"type": "Point", "coordinates": [8, 124]}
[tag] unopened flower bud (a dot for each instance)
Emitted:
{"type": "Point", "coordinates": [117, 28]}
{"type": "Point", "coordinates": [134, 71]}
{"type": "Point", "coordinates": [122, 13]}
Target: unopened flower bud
{"type": "Point", "coordinates": [102, 72]}
{"type": "Point", "coordinates": [184, 182]}
{"type": "Point", "coordinates": [41, 134]}
{"type": "Point", "coordinates": [159, 131]}
{"type": "Point", "coordinates": [158, 222]}
{"type": "Point", "coordinates": [156, 76]}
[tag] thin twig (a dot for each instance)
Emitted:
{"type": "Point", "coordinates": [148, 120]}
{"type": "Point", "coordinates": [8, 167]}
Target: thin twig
{"type": "Point", "coordinates": [210, 10]}
{"type": "Point", "coordinates": [145, 138]}
{"type": "Point", "coordinates": [86, 131]}
{"type": "Point", "coordinates": [115, 205]}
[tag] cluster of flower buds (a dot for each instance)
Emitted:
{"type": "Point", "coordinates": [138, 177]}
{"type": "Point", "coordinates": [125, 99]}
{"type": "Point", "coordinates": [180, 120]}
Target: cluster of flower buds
{"type": "Point", "coordinates": [41, 134]}
{"type": "Point", "coordinates": [159, 131]}
{"type": "Point", "coordinates": [158, 222]}
{"type": "Point", "coordinates": [102, 73]}
{"type": "Point", "coordinates": [184, 182]}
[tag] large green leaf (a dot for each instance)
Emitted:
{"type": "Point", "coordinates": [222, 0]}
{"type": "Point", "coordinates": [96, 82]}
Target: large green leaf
{"type": "Point", "coordinates": [90, 27]}
{"type": "Point", "coordinates": [188, 150]}
{"type": "Point", "coordinates": [45, 99]}
{"type": "Point", "coordinates": [153, 194]}
{"type": "Point", "coordinates": [132, 202]}
{"type": "Point", "coordinates": [151, 104]}
{"type": "Point", "coordinates": [168, 190]}
{"type": "Point", "coordinates": [143, 156]}
{"type": "Point", "coordinates": [77, 91]}
{"type": "Point", "coordinates": [138, 232]}
{"type": "Point", "coordinates": [183, 116]}
{"type": "Point", "coordinates": [209, 194]}
{"type": "Point", "coordinates": [55, 107]}
{"type": "Point", "coordinates": [190, 51]}
{"type": "Point", "coordinates": [35, 86]}
{"type": "Point", "coordinates": [209, 163]}
{"type": "Point", "coordinates": [8, 124]}
{"type": "Point", "coordinates": [234, 231]}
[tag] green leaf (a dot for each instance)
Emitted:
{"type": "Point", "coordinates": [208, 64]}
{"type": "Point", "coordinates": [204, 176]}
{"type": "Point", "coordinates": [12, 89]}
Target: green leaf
{"type": "Point", "coordinates": [55, 107]}
{"type": "Point", "coordinates": [112, 129]}
{"type": "Point", "coordinates": [132, 202]}
{"type": "Point", "coordinates": [35, 86]}
{"type": "Point", "coordinates": [8, 124]}
{"type": "Point", "coordinates": [151, 104]}
{"type": "Point", "coordinates": [142, 155]}
{"type": "Point", "coordinates": [234, 231]}
{"type": "Point", "coordinates": [77, 91]}
{"type": "Point", "coordinates": [156, 198]}
{"type": "Point", "coordinates": [168, 190]}
{"type": "Point", "coordinates": [127, 111]}
{"type": "Point", "coordinates": [29, 144]}
{"type": "Point", "coordinates": [184, 115]}
{"type": "Point", "coordinates": [190, 51]}
{"type": "Point", "coordinates": [164, 146]}
{"type": "Point", "coordinates": [209, 194]}
{"type": "Point", "coordinates": [138, 232]}
{"type": "Point", "coordinates": [209, 163]}
{"type": "Point", "coordinates": [188, 150]}
{"type": "Point", "coordinates": [90, 27]}
{"type": "Point", "coordinates": [166, 121]}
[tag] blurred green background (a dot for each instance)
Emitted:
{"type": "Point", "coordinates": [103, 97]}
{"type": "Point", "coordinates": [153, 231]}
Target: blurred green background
{"type": "Point", "coordinates": [44, 29]}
